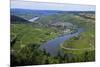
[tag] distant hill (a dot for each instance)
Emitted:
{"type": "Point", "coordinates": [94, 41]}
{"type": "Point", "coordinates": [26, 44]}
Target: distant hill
{"type": "Point", "coordinates": [29, 14]}
{"type": "Point", "coordinates": [50, 16]}
{"type": "Point", "coordinates": [15, 20]}
{"type": "Point", "coordinates": [40, 12]}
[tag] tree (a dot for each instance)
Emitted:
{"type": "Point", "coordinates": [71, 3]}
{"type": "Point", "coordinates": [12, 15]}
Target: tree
{"type": "Point", "coordinates": [85, 56]}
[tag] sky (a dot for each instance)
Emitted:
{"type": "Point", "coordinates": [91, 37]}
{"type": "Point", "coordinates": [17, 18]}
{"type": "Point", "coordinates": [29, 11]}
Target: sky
{"type": "Point", "coordinates": [50, 6]}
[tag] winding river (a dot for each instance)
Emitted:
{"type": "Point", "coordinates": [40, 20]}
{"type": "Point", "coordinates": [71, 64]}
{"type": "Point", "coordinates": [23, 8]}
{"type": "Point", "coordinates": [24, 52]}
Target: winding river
{"type": "Point", "coordinates": [53, 46]}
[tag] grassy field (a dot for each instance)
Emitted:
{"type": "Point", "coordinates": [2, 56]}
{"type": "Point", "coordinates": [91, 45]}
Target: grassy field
{"type": "Point", "coordinates": [80, 44]}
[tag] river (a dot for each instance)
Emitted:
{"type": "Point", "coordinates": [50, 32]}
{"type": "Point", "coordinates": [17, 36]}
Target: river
{"type": "Point", "coordinates": [53, 46]}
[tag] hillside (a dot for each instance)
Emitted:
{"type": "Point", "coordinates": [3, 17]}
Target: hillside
{"type": "Point", "coordinates": [27, 37]}
{"type": "Point", "coordinates": [17, 20]}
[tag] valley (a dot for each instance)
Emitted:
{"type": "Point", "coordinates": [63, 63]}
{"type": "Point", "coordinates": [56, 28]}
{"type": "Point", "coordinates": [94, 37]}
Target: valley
{"type": "Point", "coordinates": [49, 37]}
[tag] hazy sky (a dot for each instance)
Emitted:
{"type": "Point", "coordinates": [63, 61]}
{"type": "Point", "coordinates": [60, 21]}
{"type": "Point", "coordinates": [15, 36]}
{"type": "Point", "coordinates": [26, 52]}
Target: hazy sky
{"type": "Point", "coordinates": [50, 6]}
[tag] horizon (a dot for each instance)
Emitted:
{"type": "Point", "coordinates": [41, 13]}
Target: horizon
{"type": "Point", "coordinates": [48, 10]}
{"type": "Point", "coordinates": [50, 6]}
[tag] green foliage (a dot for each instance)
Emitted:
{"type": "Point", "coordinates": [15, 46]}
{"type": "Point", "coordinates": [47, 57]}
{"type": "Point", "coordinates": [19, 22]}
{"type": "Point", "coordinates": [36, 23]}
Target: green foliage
{"type": "Point", "coordinates": [83, 45]}
{"type": "Point", "coordinates": [27, 38]}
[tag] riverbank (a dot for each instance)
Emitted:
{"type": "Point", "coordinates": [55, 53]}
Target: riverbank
{"type": "Point", "coordinates": [75, 50]}
{"type": "Point", "coordinates": [53, 46]}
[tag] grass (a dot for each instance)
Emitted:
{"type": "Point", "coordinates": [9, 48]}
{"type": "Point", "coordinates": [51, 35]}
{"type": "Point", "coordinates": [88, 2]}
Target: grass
{"type": "Point", "coordinates": [84, 42]}
{"type": "Point", "coordinates": [27, 34]}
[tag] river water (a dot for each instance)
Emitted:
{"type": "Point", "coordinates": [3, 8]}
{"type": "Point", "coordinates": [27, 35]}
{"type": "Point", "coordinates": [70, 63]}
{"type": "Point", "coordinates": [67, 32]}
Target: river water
{"type": "Point", "coordinates": [53, 46]}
